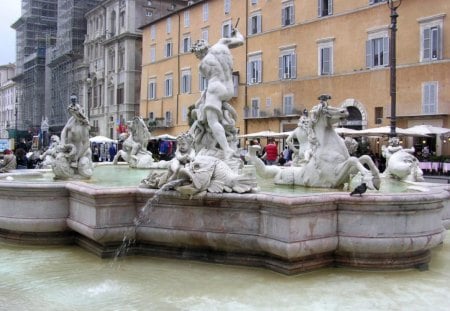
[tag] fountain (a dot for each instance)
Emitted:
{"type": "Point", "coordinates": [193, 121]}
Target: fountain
{"type": "Point", "coordinates": [206, 207]}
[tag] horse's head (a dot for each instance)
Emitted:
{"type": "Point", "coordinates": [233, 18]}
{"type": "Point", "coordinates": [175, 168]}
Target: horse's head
{"type": "Point", "coordinates": [331, 114]}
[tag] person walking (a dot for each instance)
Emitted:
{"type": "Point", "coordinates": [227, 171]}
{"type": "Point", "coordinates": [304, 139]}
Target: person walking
{"type": "Point", "coordinates": [271, 152]}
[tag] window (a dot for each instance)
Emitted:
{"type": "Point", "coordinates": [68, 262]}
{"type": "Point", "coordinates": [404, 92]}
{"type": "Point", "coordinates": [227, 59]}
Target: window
{"type": "Point", "coordinates": [185, 81]}
{"type": "Point", "coordinates": [186, 45]}
{"type": "Point", "coordinates": [227, 6]}
{"type": "Point", "coordinates": [121, 58]}
{"type": "Point", "coordinates": [202, 83]}
{"type": "Point", "coordinates": [254, 70]}
{"type": "Point", "coordinates": [168, 121]}
{"type": "Point", "coordinates": [431, 38]}
{"type": "Point", "coordinates": [168, 49]}
{"type": "Point", "coordinates": [187, 21]}
{"type": "Point", "coordinates": [151, 115]}
{"type": "Point", "coordinates": [325, 7]}
{"type": "Point", "coordinates": [287, 14]}
{"type": "Point", "coordinates": [226, 29]}
{"type": "Point", "coordinates": [205, 12]}
{"type": "Point", "coordinates": [111, 60]}
{"type": "Point", "coordinates": [205, 34]}
{"type": "Point", "coordinates": [169, 25]}
{"type": "Point", "coordinates": [113, 23]}
{"type": "Point", "coordinates": [235, 84]}
{"type": "Point", "coordinates": [152, 54]}
{"type": "Point", "coordinates": [120, 95]}
{"type": "Point", "coordinates": [122, 19]}
{"type": "Point", "coordinates": [168, 85]}
{"type": "Point", "coordinates": [287, 65]}
{"type": "Point", "coordinates": [376, 1]}
{"type": "Point", "coordinates": [148, 13]}
{"type": "Point", "coordinates": [151, 92]}
{"type": "Point", "coordinates": [325, 57]}
{"type": "Point", "coordinates": [255, 107]}
{"type": "Point", "coordinates": [378, 115]}
{"type": "Point", "coordinates": [254, 2]}
{"type": "Point", "coordinates": [268, 102]}
{"type": "Point", "coordinates": [153, 32]}
{"type": "Point", "coordinates": [254, 24]}
{"type": "Point", "coordinates": [429, 97]}
{"type": "Point", "coordinates": [288, 104]}
{"type": "Point", "coordinates": [377, 49]}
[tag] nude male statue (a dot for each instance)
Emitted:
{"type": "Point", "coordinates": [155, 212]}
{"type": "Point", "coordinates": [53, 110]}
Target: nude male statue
{"type": "Point", "coordinates": [216, 66]}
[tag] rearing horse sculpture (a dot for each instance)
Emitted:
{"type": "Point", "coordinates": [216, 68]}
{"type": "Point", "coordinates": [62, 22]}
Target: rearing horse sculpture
{"type": "Point", "coordinates": [330, 164]}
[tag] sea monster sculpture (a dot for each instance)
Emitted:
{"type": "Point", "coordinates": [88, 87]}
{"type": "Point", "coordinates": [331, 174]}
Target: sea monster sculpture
{"type": "Point", "coordinates": [134, 148]}
{"type": "Point", "coordinates": [401, 163]}
{"type": "Point", "coordinates": [330, 165]}
{"type": "Point", "coordinates": [72, 158]}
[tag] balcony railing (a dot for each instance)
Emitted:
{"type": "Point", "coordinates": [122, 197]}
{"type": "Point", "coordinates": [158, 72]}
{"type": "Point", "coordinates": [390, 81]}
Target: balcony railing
{"type": "Point", "coordinates": [276, 113]}
{"type": "Point", "coordinates": [160, 123]}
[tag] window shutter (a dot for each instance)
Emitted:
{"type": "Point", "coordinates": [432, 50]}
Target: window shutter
{"type": "Point", "coordinates": [259, 23]}
{"type": "Point", "coordinates": [259, 77]}
{"type": "Point", "coordinates": [291, 15]}
{"type": "Point", "coordinates": [438, 42]}
{"type": "Point", "coordinates": [280, 68]}
{"type": "Point", "coordinates": [325, 61]}
{"type": "Point", "coordinates": [319, 8]}
{"type": "Point", "coordinates": [426, 98]}
{"type": "Point", "coordinates": [283, 16]}
{"type": "Point", "coordinates": [432, 103]}
{"type": "Point", "coordinates": [249, 73]}
{"type": "Point", "coordinates": [330, 7]}
{"type": "Point", "coordinates": [386, 51]}
{"type": "Point", "coordinates": [294, 66]}
{"type": "Point", "coordinates": [369, 58]}
{"type": "Point", "coordinates": [426, 44]}
{"type": "Point", "coordinates": [189, 83]}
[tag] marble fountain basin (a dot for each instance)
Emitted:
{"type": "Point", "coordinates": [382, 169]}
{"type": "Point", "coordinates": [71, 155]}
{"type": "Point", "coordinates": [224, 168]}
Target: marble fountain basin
{"type": "Point", "coordinates": [289, 232]}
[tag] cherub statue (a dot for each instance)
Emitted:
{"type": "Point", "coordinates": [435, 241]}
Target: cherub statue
{"type": "Point", "coordinates": [184, 154]}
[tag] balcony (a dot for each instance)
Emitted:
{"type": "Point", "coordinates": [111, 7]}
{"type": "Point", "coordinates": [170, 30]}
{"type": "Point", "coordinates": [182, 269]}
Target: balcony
{"type": "Point", "coordinates": [160, 123]}
{"type": "Point", "coordinates": [276, 113]}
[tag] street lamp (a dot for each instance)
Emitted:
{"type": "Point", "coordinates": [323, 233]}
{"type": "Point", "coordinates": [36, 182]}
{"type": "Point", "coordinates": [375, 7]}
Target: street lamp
{"type": "Point", "coordinates": [393, 6]}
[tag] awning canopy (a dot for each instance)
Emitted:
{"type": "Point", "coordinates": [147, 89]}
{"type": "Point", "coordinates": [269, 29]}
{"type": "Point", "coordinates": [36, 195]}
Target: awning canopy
{"type": "Point", "coordinates": [267, 134]}
{"type": "Point", "coordinates": [426, 130]}
{"type": "Point", "coordinates": [101, 139]}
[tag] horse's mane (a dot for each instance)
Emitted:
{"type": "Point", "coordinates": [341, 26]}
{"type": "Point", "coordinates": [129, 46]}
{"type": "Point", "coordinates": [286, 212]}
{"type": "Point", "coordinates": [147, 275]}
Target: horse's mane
{"type": "Point", "coordinates": [139, 130]}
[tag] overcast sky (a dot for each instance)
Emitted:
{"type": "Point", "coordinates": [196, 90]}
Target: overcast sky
{"type": "Point", "coordinates": [9, 13]}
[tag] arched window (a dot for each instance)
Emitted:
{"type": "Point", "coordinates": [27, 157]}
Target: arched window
{"type": "Point", "coordinates": [113, 23]}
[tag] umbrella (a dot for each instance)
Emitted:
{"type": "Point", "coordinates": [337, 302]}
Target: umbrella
{"type": "Point", "coordinates": [347, 132]}
{"type": "Point", "coordinates": [101, 139]}
{"type": "Point", "coordinates": [425, 130]}
{"type": "Point", "coordinates": [264, 134]}
{"type": "Point", "coordinates": [164, 137]}
{"type": "Point", "coordinates": [385, 131]}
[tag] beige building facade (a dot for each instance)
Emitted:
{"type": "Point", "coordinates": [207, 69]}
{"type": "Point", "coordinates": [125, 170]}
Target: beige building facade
{"type": "Point", "coordinates": [296, 50]}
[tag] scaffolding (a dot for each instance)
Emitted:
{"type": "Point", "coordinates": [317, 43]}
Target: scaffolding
{"type": "Point", "coordinates": [65, 59]}
{"type": "Point", "coordinates": [33, 28]}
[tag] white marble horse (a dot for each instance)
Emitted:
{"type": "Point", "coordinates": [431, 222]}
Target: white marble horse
{"type": "Point", "coordinates": [330, 165]}
{"type": "Point", "coordinates": [134, 148]}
